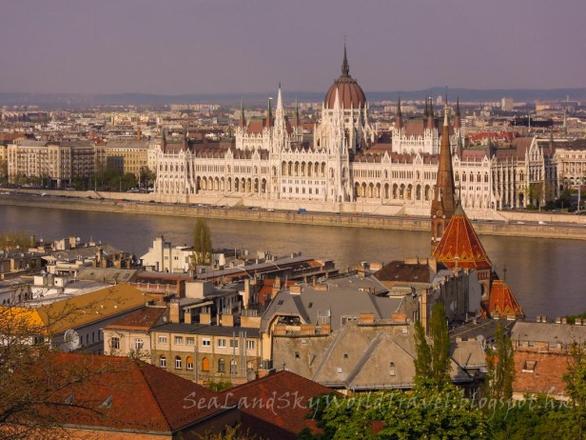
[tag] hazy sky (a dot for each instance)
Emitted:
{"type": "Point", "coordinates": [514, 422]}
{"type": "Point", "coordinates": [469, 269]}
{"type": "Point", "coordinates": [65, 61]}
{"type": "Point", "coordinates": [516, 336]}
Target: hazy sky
{"type": "Point", "coordinates": [181, 46]}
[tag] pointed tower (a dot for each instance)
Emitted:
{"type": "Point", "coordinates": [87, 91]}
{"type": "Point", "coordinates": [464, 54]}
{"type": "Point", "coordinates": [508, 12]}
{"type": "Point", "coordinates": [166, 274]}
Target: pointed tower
{"type": "Point", "coordinates": [269, 118]}
{"type": "Point", "coordinates": [430, 116]}
{"type": "Point", "coordinates": [444, 203]}
{"type": "Point", "coordinates": [345, 65]}
{"type": "Point", "coordinates": [297, 118]}
{"type": "Point", "coordinates": [163, 140]}
{"type": "Point", "coordinates": [242, 122]}
{"type": "Point", "coordinates": [399, 116]}
{"type": "Point", "coordinates": [457, 118]}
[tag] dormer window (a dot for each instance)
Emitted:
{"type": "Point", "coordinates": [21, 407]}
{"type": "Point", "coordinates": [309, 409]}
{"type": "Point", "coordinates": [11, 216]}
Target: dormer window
{"type": "Point", "coordinates": [529, 366]}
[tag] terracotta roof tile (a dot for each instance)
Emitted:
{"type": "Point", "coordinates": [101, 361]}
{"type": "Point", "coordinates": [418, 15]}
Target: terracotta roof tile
{"type": "Point", "coordinates": [460, 246]}
{"type": "Point", "coordinates": [540, 373]}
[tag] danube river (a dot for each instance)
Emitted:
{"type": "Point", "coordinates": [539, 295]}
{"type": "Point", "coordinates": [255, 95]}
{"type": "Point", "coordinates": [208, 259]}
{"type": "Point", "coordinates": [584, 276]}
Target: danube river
{"type": "Point", "coordinates": [548, 276]}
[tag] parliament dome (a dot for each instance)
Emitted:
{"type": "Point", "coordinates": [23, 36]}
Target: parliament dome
{"type": "Point", "coordinates": [349, 91]}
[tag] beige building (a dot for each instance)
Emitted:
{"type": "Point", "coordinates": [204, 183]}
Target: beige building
{"type": "Point", "coordinates": [59, 163]}
{"type": "Point", "coordinates": [123, 155]}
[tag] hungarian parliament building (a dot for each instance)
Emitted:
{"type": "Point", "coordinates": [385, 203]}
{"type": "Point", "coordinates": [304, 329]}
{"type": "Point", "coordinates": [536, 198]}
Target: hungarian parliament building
{"type": "Point", "coordinates": [341, 165]}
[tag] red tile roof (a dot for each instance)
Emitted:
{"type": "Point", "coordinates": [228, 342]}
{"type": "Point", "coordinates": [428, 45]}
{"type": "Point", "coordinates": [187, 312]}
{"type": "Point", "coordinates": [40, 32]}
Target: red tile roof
{"type": "Point", "coordinates": [502, 302]}
{"type": "Point", "coordinates": [141, 319]}
{"type": "Point", "coordinates": [540, 373]}
{"type": "Point", "coordinates": [282, 404]}
{"type": "Point", "coordinates": [460, 246]}
{"type": "Point", "coordinates": [119, 393]}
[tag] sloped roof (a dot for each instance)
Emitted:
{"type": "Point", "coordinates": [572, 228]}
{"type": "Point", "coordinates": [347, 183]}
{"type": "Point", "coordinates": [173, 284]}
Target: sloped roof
{"type": "Point", "coordinates": [119, 393]}
{"type": "Point", "coordinates": [286, 416]}
{"type": "Point", "coordinates": [502, 302]}
{"type": "Point", "coordinates": [460, 246]}
{"type": "Point", "coordinates": [83, 309]}
{"type": "Point", "coordinates": [540, 373]}
{"type": "Point", "coordinates": [141, 319]}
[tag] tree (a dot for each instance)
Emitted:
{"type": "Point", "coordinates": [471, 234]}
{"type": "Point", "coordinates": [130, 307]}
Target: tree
{"type": "Point", "coordinates": [501, 367]}
{"type": "Point", "coordinates": [202, 243]}
{"type": "Point", "coordinates": [426, 413]}
{"type": "Point", "coordinates": [423, 368]}
{"type": "Point", "coordinates": [35, 379]}
{"type": "Point", "coordinates": [440, 350]}
{"type": "Point", "coordinates": [575, 381]}
{"type": "Point", "coordinates": [432, 362]}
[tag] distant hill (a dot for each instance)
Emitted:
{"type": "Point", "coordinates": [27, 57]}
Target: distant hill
{"type": "Point", "coordinates": [142, 99]}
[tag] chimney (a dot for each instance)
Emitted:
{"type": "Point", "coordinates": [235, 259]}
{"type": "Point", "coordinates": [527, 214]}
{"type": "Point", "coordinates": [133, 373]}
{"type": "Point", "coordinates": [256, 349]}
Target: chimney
{"type": "Point", "coordinates": [246, 294]}
{"type": "Point", "coordinates": [174, 315]}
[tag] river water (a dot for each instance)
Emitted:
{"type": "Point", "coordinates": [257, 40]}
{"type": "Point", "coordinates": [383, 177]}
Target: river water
{"type": "Point", "coordinates": [547, 276]}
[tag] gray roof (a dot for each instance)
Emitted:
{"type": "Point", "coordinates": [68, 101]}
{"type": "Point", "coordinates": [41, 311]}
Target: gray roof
{"type": "Point", "coordinates": [106, 275]}
{"type": "Point", "coordinates": [349, 295]}
{"type": "Point", "coordinates": [548, 332]}
{"type": "Point", "coordinates": [357, 357]}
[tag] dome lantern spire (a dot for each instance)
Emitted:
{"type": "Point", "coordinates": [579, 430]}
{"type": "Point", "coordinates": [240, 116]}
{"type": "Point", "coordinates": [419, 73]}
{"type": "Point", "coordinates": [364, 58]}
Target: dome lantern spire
{"type": "Point", "coordinates": [345, 65]}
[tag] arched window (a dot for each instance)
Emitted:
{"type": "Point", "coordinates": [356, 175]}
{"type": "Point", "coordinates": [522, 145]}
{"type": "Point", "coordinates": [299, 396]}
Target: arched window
{"type": "Point", "coordinates": [221, 366]}
{"type": "Point", "coordinates": [233, 367]}
{"type": "Point", "coordinates": [178, 363]}
{"type": "Point", "coordinates": [205, 364]}
{"type": "Point", "coordinates": [189, 363]}
{"type": "Point", "coordinates": [162, 361]}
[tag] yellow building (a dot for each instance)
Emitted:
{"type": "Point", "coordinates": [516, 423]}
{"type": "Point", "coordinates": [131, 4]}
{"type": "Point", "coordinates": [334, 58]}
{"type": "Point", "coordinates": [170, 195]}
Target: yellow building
{"type": "Point", "coordinates": [123, 155]}
{"type": "Point", "coordinates": [75, 323]}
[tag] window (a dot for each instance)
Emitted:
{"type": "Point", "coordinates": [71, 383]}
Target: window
{"type": "Point", "coordinates": [138, 344]}
{"type": "Point", "coordinates": [392, 370]}
{"type": "Point", "coordinates": [162, 339]}
{"type": "Point", "coordinates": [250, 344]}
{"type": "Point", "coordinates": [529, 366]}
{"type": "Point", "coordinates": [221, 366]}
{"type": "Point", "coordinates": [190, 340]}
{"type": "Point", "coordinates": [162, 361]}
{"type": "Point", "coordinates": [221, 342]}
{"type": "Point", "coordinates": [179, 340]}
{"type": "Point", "coordinates": [115, 343]}
{"type": "Point", "coordinates": [178, 362]}
{"type": "Point", "coordinates": [205, 364]}
{"type": "Point", "coordinates": [233, 367]}
{"type": "Point", "coordinates": [233, 343]}
{"type": "Point", "coordinates": [189, 363]}
{"type": "Point", "coordinates": [206, 342]}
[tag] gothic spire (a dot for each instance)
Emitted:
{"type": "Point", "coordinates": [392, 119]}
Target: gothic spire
{"type": "Point", "coordinates": [444, 202]}
{"type": "Point", "coordinates": [269, 113]}
{"type": "Point", "coordinates": [297, 118]}
{"type": "Point", "coordinates": [279, 99]}
{"type": "Point", "coordinates": [430, 115]}
{"type": "Point", "coordinates": [242, 115]}
{"type": "Point", "coordinates": [345, 66]}
{"type": "Point", "coordinates": [399, 116]}
{"type": "Point", "coordinates": [457, 121]}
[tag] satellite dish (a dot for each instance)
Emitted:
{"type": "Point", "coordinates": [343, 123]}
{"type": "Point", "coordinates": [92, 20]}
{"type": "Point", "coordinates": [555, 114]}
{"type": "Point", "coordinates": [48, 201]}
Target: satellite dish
{"type": "Point", "coordinates": [71, 340]}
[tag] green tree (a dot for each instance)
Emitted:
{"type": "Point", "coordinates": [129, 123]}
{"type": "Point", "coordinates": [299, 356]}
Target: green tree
{"type": "Point", "coordinates": [423, 360]}
{"type": "Point", "coordinates": [426, 413]}
{"type": "Point", "coordinates": [501, 367]}
{"type": "Point", "coordinates": [202, 243]}
{"type": "Point", "coordinates": [575, 381]}
{"type": "Point", "coordinates": [440, 350]}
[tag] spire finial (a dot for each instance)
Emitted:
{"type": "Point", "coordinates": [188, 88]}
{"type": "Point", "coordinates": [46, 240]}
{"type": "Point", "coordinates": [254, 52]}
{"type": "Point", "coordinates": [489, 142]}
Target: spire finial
{"type": "Point", "coordinates": [345, 66]}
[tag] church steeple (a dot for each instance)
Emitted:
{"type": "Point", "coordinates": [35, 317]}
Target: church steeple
{"type": "Point", "coordinates": [444, 201]}
{"type": "Point", "coordinates": [345, 66]}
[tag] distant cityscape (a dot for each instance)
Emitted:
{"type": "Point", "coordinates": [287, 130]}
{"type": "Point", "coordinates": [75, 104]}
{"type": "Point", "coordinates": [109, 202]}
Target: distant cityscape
{"type": "Point", "coordinates": [313, 265]}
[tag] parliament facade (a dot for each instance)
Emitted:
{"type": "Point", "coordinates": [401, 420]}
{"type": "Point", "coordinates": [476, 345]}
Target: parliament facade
{"type": "Point", "coordinates": [339, 163]}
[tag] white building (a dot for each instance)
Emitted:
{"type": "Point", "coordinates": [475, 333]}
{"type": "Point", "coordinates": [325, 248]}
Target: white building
{"type": "Point", "coordinates": [343, 168]}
